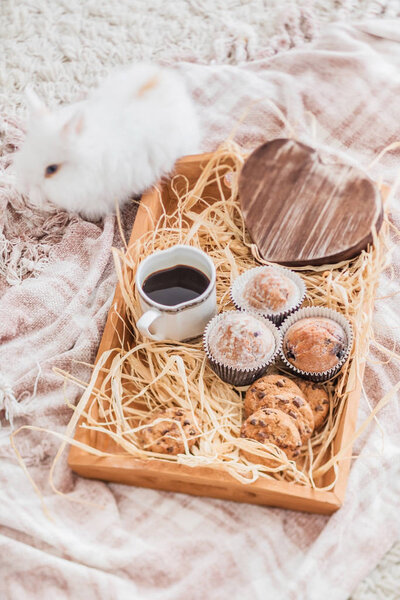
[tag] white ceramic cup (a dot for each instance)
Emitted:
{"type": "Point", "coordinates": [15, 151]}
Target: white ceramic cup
{"type": "Point", "coordinates": [182, 321]}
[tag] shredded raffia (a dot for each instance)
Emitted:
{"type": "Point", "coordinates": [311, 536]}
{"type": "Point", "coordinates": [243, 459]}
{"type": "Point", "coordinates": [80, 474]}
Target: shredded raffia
{"type": "Point", "coordinates": [149, 375]}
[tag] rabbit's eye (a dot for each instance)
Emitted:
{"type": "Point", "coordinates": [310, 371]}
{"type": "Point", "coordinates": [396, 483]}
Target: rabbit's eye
{"type": "Point", "coordinates": [50, 170]}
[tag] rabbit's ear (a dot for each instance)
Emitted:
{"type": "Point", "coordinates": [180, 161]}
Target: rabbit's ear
{"type": "Point", "coordinates": [74, 125]}
{"type": "Point", "coordinates": [36, 106]}
{"type": "Point", "coordinates": [146, 86]}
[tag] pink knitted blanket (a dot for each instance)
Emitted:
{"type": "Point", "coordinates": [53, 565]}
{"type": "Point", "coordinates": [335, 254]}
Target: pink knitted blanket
{"type": "Point", "coordinates": [56, 282]}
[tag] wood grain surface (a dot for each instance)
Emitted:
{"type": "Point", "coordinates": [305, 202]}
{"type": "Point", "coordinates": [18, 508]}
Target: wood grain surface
{"type": "Point", "coordinates": [304, 208]}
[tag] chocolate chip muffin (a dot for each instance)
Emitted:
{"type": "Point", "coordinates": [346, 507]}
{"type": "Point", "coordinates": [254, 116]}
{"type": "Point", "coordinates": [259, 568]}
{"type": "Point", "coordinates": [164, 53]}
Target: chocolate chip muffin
{"type": "Point", "coordinates": [165, 437]}
{"type": "Point", "coordinates": [269, 425]}
{"type": "Point", "coordinates": [314, 344]}
{"type": "Point", "coordinates": [318, 399]}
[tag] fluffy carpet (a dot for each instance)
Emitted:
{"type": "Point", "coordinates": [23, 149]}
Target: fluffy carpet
{"type": "Point", "coordinates": [65, 47]}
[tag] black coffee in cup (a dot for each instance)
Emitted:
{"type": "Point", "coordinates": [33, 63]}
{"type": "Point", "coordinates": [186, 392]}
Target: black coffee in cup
{"type": "Point", "coordinates": [175, 285]}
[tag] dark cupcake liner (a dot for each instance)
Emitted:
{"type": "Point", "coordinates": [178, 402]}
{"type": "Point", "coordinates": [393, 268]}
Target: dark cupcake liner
{"type": "Point", "coordinates": [328, 313]}
{"type": "Point", "coordinates": [241, 377]}
{"type": "Point", "coordinates": [278, 316]}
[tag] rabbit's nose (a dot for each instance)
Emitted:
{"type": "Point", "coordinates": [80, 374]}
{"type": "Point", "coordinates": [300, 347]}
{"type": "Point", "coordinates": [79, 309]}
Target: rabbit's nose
{"type": "Point", "coordinates": [21, 184]}
{"type": "Point", "coordinates": [21, 187]}
{"type": "Point", "coordinates": [37, 198]}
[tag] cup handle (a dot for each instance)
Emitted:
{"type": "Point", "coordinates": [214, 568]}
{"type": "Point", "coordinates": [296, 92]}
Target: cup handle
{"type": "Point", "coordinates": [146, 320]}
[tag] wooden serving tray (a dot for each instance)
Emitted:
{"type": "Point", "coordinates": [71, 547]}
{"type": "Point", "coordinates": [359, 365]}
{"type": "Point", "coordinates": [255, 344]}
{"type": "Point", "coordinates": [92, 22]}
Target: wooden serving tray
{"type": "Point", "coordinates": [199, 481]}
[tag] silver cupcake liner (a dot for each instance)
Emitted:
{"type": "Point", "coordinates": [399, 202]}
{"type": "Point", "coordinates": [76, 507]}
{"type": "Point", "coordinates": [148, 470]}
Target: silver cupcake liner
{"type": "Point", "coordinates": [328, 313]}
{"type": "Point", "coordinates": [276, 317]}
{"type": "Point", "coordinates": [241, 377]}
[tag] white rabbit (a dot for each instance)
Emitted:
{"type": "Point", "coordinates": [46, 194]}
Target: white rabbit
{"type": "Point", "coordinates": [113, 145]}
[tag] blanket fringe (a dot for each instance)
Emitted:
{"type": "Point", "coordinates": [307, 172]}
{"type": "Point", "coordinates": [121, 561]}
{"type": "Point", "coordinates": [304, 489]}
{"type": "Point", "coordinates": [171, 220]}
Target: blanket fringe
{"type": "Point", "coordinates": [8, 401]}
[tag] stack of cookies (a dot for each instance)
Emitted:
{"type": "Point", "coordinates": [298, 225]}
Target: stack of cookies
{"type": "Point", "coordinates": [284, 412]}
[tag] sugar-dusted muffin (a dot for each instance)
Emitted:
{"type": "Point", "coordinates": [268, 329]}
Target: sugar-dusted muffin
{"type": "Point", "coordinates": [241, 340]}
{"type": "Point", "coordinates": [270, 425]}
{"type": "Point", "coordinates": [315, 344]}
{"type": "Point", "coordinates": [165, 436]}
{"type": "Point", "coordinates": [240, 346]}
{"type": "Point", "coordinates": [271, 291]}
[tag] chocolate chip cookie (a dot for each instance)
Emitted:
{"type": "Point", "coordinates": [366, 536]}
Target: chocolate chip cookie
{"type": "Point", "coordinates": [317, 397]}
{"type": "Point", "coordinates": [266, 386]}
{"type": "Point", "coordinates": [296, 407]}
{"type": "Point", "coordinates": [269, 425]}
{"type": "Point", "coordinates": [165, 437]}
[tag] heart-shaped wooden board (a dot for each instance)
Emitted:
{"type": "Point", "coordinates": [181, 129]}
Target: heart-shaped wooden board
{"type": "Point", "coordinates": [303, 209]}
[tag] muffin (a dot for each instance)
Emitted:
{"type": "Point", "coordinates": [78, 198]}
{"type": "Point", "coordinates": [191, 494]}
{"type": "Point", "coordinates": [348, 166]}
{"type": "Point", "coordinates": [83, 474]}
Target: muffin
{"type": "Point", "coordinates": [316, 343]}
{"type": "Point", "coordinates": [165, 437]}
{"type": "Point", "coordinates": [241, 340]}
{"type": "Point", "coordinates": [273, 292]}
{"type": "Point", "coordinates": [240, 346]}
{"type": "Point", "coordinates": [273, 426]}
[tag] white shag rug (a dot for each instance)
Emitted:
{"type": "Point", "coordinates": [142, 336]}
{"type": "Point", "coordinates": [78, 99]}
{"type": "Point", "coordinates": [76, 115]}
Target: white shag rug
{"type": "Point", "coordinates": [63, 47]}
